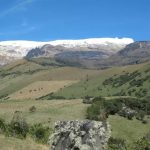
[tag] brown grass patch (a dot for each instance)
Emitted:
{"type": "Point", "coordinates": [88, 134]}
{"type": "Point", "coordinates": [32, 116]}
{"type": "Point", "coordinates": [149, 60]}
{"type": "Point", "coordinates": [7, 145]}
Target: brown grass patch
{"type": "Point", "coordinates": [40, 88]}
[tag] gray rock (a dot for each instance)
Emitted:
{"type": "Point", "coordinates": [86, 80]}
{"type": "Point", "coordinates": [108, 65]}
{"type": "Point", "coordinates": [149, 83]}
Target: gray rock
{"type": "Point", "coordinates": [79, 135]}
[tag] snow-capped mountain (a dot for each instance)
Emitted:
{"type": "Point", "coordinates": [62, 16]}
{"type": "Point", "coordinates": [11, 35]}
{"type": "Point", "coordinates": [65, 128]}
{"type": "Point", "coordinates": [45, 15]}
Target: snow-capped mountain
{"type": "Point", "coordinates": [92, 42]}
{"type": "Point", "coordinates": [19, 49]}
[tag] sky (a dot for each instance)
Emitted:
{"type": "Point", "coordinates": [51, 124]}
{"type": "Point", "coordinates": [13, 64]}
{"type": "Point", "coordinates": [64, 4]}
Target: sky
{"type": "Point", "coordinates": [45, 20]}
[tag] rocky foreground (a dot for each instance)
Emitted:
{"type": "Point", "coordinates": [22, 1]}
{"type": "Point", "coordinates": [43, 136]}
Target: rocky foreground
{"type": "Point", "coordinates": [79, 135]}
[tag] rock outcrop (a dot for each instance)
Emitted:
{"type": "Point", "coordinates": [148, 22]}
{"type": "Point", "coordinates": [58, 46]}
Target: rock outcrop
{"type": "Point", "coordinates": [79, 135]}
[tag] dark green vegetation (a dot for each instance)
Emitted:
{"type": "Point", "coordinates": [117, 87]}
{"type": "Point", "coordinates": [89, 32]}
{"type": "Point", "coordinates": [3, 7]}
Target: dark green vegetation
{"type": "Point", "coordinates": [19, 128]}
{"type": "Point", "coordinates": [128, 118]}
{"type": "Point", "coordinates": [125, 107]}
{"type": "Point", "coordinates": [120, 144]}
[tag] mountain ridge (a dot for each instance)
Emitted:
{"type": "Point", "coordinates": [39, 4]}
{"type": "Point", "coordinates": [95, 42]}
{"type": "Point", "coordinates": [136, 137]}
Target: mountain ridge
{"type": "Point", "coordinates": [19, 49]}
{"type": "Point", "coordinates": [134, 53]}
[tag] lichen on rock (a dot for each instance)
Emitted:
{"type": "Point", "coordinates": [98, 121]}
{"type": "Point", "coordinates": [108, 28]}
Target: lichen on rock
{"type": "Point", "coordinates": [80, 135]}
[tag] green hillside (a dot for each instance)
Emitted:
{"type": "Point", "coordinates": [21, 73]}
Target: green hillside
{"type": "Point", "coordinates": [18, 78]}
{"type": "Point", "coordinates": [131, 80]}
{"type": "Point", "coordinates": [20, 74]}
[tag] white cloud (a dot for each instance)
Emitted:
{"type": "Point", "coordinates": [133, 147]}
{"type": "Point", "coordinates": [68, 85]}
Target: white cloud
{"type": "Point", "coordinates": [20, 6]}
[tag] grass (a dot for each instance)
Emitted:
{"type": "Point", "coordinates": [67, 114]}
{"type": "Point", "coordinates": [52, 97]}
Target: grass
{"type": "Point", "coordinates": [53, 110]}
{"type": "Point", "coordinates": [40, 88]}
{"type": "Point", "coordinates": [90, 82]}
{"type": "Point", "coordinates": [9, 143]}
{"type": "Point", "coordinates": [21, 74]}
{"type": "Point", "coordinates": [94, 85]}
{"type": "Point", "coordinates": [82, 82]}
{"type": "Point", "coordinates": [130, 130]}
{"type": "Point", "coordinates": [47, 113]}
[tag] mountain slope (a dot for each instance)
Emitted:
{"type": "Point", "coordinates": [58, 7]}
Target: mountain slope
{"type": "Point", "coordinates": [19, 49]}
{"type": "Point", "coordinates": [30, 73]}
{"type": "Point", "coordinates": [100, 57]}
{"type": "Point", "coordinates": [133, 80]}
{"type": "Point", "coordinates": [133, 53]}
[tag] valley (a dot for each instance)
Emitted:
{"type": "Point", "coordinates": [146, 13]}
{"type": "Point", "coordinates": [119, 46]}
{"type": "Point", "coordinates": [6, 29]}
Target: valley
{"type": "Point", "coordinates": [45, 90]}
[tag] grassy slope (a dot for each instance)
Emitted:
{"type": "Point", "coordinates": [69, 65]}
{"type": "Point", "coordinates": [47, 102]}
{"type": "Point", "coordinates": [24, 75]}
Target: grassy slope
{"type": "Point", "coordinates": [65, 110]}
{"type": "Point", "coordinates": [40, 88]}
{"type": "Point", "coordinates": [22, 73]}
{"type": "Point", "coordinates": [9, 143]}
{"type": "Point", "coordinates": [68, 110]}
{"type": "Point", "coordinates": [45, 110]}
{"type": "Point", "coordinates": [94, 86]}
{"type": "Point", "coordinates": [130, 130]}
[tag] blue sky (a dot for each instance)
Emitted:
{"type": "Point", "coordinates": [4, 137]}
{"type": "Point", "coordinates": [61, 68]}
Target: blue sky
{"type": "Point", "coordinates": [45, 20]}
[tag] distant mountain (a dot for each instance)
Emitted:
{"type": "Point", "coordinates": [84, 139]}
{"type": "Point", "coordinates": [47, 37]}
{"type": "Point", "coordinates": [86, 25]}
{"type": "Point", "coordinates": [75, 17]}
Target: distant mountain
{"type": "Point", "coordinates": [89, 53]}
{"type": "Point", "coordinates": [12, 50]}
{"type": "Point", "coordinates": [133, 53]}
{"type": "Point", "coordinates": [81, 58]}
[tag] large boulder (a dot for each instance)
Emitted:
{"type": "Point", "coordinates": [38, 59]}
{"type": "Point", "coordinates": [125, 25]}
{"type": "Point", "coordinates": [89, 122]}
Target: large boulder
{"type": "Point", "coordinates": [80, 135]}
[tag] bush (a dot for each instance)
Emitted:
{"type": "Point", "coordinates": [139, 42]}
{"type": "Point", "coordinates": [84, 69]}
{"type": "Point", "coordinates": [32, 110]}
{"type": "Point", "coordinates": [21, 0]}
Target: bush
{"type": "Point", "coordinates": [130, 116]}
{"type": "Point", "coordinates": [18, 126]}
{"type": "Point", "coordinates": [144, 121]}
{"type": "Point", "coordinates": [116, 144]}
{"type": "Point", "coordinates": [32, 109]}
{"type": "Point", "coordinates": [93, 111]}
{"type": "Point", "coordinates": [40, 133]}
{"type": "Point", "coordinates": [140, 115]}
{"type": "Point", "coordinates": [2, 125]}
{"type": "Point", "coordinates": [142, 144]}
{"type": "Point", "coordinates": [50, 96]}
{"type": "Point", "coordinates": [87, 100]}
{"type": "Point", "coordinates": [112, 107]}
{"type": "Point", "coordinates": [126, 107]}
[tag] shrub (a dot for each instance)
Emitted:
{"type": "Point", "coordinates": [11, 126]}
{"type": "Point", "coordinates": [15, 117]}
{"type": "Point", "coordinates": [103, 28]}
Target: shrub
{"type": "Point", "coordinates": [140, 115]}
{"type": "Point", "coordinates": [144, 121]}
{"type": "Point", "coordinates": [18, 126]}
{"type": "Point", "coordinates": [116, 144]}
{"type": "Point", "coordinates": [87, 100]}
{"type": "Point", "coordinates": [93, 112]}
{"type": "Point", "coordinates": [32, 109]}
{"type": "Point", "coordinates": [40, 133]}
{"type": "Point", "coordinates": [112, 107]}
{"type": "Point", "coordinates": [142, 144]}
{"type": "Point", "coordinates": [2, 125]}
{"type": "Point", "coordinates": [130, 116]}
{"type": "Point", "coordinates": [126, 107]}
